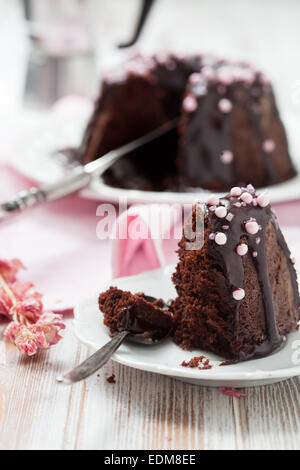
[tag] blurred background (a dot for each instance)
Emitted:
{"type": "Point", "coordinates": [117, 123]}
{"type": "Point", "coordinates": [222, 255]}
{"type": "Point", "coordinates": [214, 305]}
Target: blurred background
{"type": "Point", "coordinates": [54, 48]}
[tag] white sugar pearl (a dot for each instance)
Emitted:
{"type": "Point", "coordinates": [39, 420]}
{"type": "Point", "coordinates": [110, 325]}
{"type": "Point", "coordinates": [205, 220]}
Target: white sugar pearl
{"type": "Point", "coordinates": [242, 249]}
{"type": "Point", "coordinates": [235, 192]}
{"type": "Point", "coordinates": [220, 238]}
{"type": "Point", "coordinates": [213, 201]}
{"type": "Point", "coordinates": [226, 157]}
{"type": "Point", "coordinates": [238, 294]}
{"type": "Point", "coordinates": [221, 212]}
{"type": "Point", "coordinates": [269, 146]}
{"type": "Point", "coordinates": [225, 105]}
{"type": "Point", "coordinates": [263, 200]}
{"type": "Point", "coordinates": [247, 198]}
{"type": "Point", "coordinates": [190, 103]}
{"type": "Point", "coordinates": [252, 227]}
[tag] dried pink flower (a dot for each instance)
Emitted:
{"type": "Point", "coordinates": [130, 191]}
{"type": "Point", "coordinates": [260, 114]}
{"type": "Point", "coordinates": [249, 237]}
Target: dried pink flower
{"type": "Point", "coordinates": [232, 392]}
{"type": "Point", "coordinates": [31, 328]}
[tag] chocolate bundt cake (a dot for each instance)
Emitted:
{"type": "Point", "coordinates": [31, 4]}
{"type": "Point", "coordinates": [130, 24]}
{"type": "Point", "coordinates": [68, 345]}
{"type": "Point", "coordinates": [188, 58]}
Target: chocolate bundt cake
{"type": "Point", "coordinates": [229, 133]}
{"type": "Point", "coordinates": [137, 313]}
{"type": "Point", "coordinates": [237, 291]}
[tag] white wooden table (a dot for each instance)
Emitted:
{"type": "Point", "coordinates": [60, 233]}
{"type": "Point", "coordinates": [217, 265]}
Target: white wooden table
{"type": "Point", "coordinates": [140, 411]}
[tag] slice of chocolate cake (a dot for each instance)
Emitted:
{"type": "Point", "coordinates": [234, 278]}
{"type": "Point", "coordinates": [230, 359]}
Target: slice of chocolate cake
{"type": "Point", "coordinates": [231, 132]}
{"type": "Point", "coordinates": [137, 313]}
{"type": "Point", "coordinates": [238, 293]}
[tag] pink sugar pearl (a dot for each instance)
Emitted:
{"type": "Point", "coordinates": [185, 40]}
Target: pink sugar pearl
{"type": "Point", "coordinates": [190, 103]}
{"type": "Point", "coordinates": [251, 227]}
{"type": "Point", "coordinates": [268, 146]}
{"type": "Point", "coordinates": [250, 189]}
{"type": "Point", "coordinates": [235, 192]}
{"type": "Point", "coordinates": [195, 78]}
{"type": "Point", "coordinates": [238, 294]}
{"type": "Point", "coordinates": [263, 200]}
{"type": "Point", "coordinates": [225, 105]}
{"type": "Point", "coordinates": [221, 212]}
{"type": "Point", "coordinates": [213, 200]}
{"type": "Point", "coordinates": [220, 238]}
{"type": "Point", "coordinates": [226, 157]}
{"type": "Point", "coordinates": [247, 198]}
{"type": "Point", "coordinates": [242, 249]}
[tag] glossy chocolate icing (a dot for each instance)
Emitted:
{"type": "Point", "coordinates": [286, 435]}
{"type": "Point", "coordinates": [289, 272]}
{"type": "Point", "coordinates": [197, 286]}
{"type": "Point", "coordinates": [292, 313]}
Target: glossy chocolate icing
{"type": "Point", "coordinates": [209, 131]}
{"type": "Point", "coordinates": [229, 260]}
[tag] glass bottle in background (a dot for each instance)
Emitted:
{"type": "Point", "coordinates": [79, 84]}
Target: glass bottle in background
{"type": "Point", "coordinates": [61, 56]}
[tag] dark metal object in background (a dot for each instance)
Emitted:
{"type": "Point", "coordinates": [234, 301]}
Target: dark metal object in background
{"type": "Point", "coordinates": [146, 7]}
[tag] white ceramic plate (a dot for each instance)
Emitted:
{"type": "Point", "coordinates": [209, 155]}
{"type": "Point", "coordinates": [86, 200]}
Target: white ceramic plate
{"type": "Point", "coordinates": [165, 358]}
{"type": "Point", "coordinates": [33, 157]}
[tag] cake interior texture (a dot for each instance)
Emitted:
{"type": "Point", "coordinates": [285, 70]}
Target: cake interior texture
{"type": "Point", "coordinates": [137, 313]}
{"type": "Point", "coordinates": [229, 131]}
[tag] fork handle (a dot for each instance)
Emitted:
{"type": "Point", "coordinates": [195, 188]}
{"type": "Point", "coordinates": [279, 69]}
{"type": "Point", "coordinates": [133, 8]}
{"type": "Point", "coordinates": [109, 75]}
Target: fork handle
{"type": "Point", "coordinates": [94, 362]}
{"type": "Point", "coordinates": [77, 179]}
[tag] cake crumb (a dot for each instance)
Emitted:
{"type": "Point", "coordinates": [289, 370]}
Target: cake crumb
{"type": "Point", "coordinates": [111, 379]}
{"type": "Point", "coordinates": [199, 361]}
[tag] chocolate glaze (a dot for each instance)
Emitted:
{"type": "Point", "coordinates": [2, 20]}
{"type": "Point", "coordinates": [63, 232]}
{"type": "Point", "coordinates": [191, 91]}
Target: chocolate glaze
{"type": "Point", "coordinates": [208, 131]}
{"type": "Point", "coordinates": [228, 258]}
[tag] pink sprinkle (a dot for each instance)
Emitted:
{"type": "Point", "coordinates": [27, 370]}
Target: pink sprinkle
{"type": "Point", "coordinates": [258, 240]}
{"type": "Point", "coordinates": [226, 157]}
{"type": "Point", "coordinates": [212, 208]}
{"type": "Point", "coordinates": [254, 202]}
{"type": "Point", "coordinates": [263, 200]}
{"type": "Point", "coordinates": [213, 200]}
{"type": "Point", "coordinates": [254, 254]}
{"type": "Point", "coordinates": [237, 204]}
{"type": "Point", "coordinates": [190, 103]}
{"type": "Point", "coordinates": [252, 226]}
{"type": "Point", "coordinates": [212, 236]}
{"type": "Point", "coordinates": [221, 212]}
{"type": "Point", "coordinates": [231, 392]}
{"type": "Point", "coordinates": [268, 146]}
{"type": "Point", "coordinates": [293, 261]}
{"type": "Point", "coordinates": [229, 217]}
{"type": "Point", "coordinates": [238, 294]}
{"type": "Point", "coordinates": [247, 198]}
{"type": "Point", "coordinates": [225, 105]}
{"type": "Point", "coordinates": [225, 227]}
{"type": "Point", "coordinates": [195, 78]}
{"type": "Point", "coordinates": [242, 249]}
{"type": "Point", "coordinates": [220, 238]}
{"type": "Point", "coordinates": [235, 192]}
{"type": "Point", "coordinates": [208, 72]}
{"type": "Point", "coordinates": [250, 189]}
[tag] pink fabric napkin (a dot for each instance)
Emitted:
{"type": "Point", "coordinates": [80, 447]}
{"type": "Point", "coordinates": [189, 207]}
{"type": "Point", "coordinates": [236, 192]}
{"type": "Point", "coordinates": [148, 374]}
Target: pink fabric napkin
{"type": "Point", "coordinates": [146, 241]}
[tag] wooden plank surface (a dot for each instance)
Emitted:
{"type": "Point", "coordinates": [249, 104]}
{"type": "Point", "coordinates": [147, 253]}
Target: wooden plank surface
{"type": "Point", "coordinates": [140, 411]}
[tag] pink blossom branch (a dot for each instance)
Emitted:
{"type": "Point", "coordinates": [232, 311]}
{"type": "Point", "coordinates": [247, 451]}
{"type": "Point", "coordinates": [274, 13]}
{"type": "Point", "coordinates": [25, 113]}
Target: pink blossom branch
{"type": "Point", "coordinates": [31, 327]}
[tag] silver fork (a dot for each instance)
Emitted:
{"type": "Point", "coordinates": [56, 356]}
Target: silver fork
{"type": "Point", "coordinates": [77, 178]}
